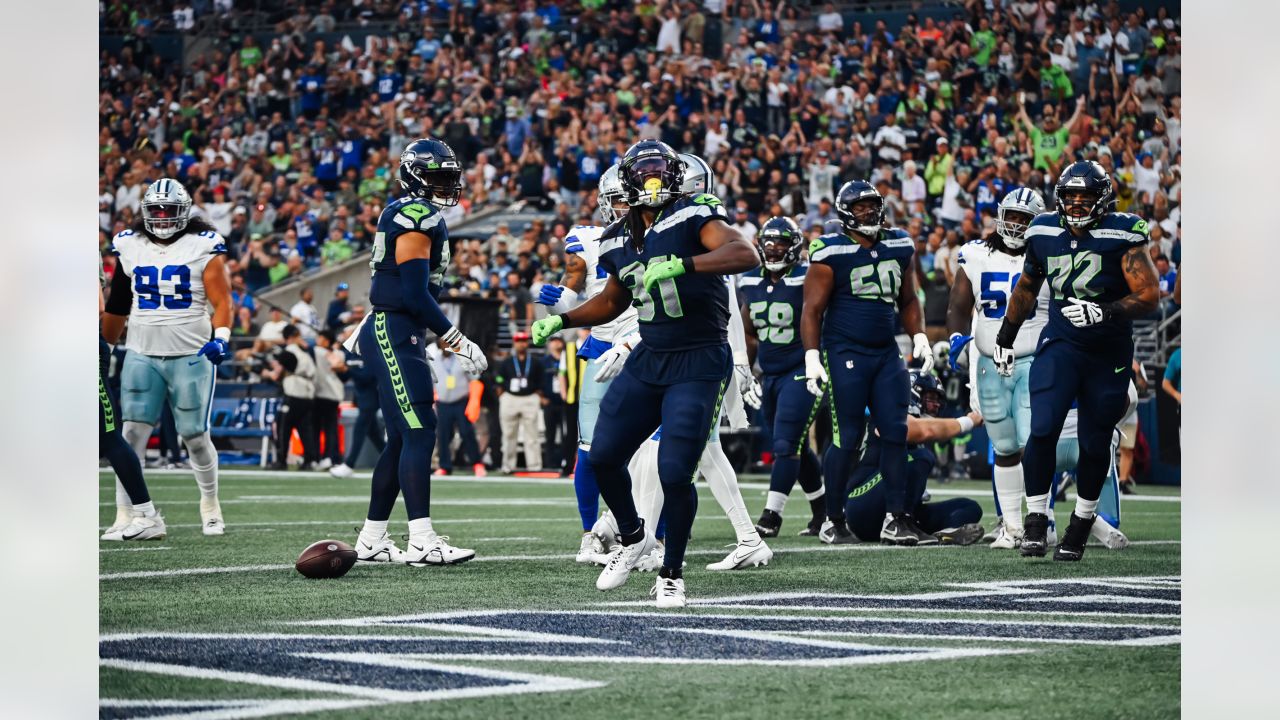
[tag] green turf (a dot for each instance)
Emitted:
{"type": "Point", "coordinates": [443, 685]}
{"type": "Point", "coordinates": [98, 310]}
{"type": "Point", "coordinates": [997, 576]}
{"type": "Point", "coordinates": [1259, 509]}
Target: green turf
{"type": "Point", "coordinates": [271, 518]}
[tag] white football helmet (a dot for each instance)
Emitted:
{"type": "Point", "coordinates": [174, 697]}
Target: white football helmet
{"type": "Point", "coordinates": [1019, 200]}
{"type": "Point", "coordinates": [610, 194]}
{"type": "Point", "coordinates": [166, 208]}
{"type": "Point", "coordinates": [698, 177]}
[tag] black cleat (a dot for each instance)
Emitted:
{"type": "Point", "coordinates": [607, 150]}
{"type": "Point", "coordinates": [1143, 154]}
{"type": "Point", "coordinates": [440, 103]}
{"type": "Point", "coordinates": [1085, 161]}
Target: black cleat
{"type": "Point", "coordinates": [813, 528]}
{"type": "Point", "coordinates": [901, 529]}
{"type": "Point", "coordinates": [1127, 488]}
{"type": "Point", "coordinates": [1071, 548]}
{"type": "Point", "coordinates": [836, 532]}
{"type": "Point", "coordinates": [769, 524]}
{"type": "Point", "coordinates": [1035, 535]}
{"type": "Point", "coordinates": [964, 535]}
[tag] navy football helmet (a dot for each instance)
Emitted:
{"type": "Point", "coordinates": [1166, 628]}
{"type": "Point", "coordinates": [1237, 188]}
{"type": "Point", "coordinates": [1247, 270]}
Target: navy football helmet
{"type": "Point", "coordinates": [1084, 194]}
{"type": "Point", "coordinates": [651, 173]}
{"type": "Point", "coordinates": [780, 242]}
{"type": "Point", "coordinates": [860, 208]}
{"type": "Point", "coordinates": [430, 170]}
{"type": "Point", "coordinates": [926, 395]}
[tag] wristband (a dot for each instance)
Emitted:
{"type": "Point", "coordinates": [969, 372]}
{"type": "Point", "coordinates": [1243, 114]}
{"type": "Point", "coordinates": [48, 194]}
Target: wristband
{"type": "Point", "coordinates": [223, 334]}
{"type": "Point", "coordinates": [966, 424]}
{"type": "Point", "coordinates": [688, 265]}
{"type": "Point", "coordinates": [1007, 334]}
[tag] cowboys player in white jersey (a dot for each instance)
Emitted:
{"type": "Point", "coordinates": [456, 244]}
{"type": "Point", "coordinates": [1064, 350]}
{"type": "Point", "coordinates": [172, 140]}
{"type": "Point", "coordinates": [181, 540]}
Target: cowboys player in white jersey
{"type": "Point", "coordinates": [171, 274]}
{"type": "Point", "coordinates": [750, 549]}
{"type": "Point", "coordinates": [606, 349]}
{"type": "Point", "coordinates": [989, 269]}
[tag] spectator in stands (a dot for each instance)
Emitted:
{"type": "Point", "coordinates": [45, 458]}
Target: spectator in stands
{"type": "Point", "coordinates": [304, 315]}
{"type": "Point", "coordinates": [329, 393]}
{"type": "Point", "coordinates": [457, 410]}
{"type": "Point", "coordinates": [519, 382]}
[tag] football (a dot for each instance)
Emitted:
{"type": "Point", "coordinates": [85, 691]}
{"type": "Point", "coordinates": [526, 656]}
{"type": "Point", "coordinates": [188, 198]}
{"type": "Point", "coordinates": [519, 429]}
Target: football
{"type": "Point", "coordinates": [326, 559]}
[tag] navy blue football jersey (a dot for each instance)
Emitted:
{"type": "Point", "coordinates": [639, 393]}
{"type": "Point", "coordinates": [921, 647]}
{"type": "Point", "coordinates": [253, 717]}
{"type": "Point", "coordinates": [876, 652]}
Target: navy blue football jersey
{"type": "Point", "coordinates": [407, 214]}
{"type": "Point", "coordinates": [682, 313]}
{"type": "Point", "coordinates": [863, 306]}
{"type": "Point", "coordinates": [773, 308]}
{"type": "Point", "coordinates": [1088, 268]}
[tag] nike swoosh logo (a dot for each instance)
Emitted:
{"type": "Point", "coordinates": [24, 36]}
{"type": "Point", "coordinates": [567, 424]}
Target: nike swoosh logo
{"type": "Point", "coordinates": [799, 377]}
{"type": "Point", "coordinates": [415, 547]}
{"type": "Point", "coordinates": [1119, 370]}
{"type": "Point", "coordinates": [130, 537]}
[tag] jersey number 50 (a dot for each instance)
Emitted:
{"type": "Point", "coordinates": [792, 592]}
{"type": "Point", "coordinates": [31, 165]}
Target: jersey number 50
{"type": "Point", "coordinates": [146, 285]}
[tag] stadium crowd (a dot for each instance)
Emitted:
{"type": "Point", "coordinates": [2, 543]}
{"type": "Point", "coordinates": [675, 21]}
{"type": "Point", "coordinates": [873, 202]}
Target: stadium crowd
{"type": "Point", "coordinates": [288, 145]}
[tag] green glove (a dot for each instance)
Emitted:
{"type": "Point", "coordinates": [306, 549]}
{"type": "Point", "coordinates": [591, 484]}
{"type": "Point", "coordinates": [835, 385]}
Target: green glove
{"type": "Point", "coordinates": [664, 270]}
{"type": "Point", "coordinates": [545, 328]}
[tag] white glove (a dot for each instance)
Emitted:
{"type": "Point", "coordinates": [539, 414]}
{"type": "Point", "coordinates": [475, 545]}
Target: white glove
{"type": "Point", "coordinates": [815, 375]}
{"type": "Point", "coordinates": [749, 386]}
{"type": "Point", "coordinates": [1083, 313]}
{"type": "Point", "coordinates": [473, 361]}
{"type": "Point", "coordinates": [1003, 358]}
{"type": "Point", "coordinates": [923, 351]}
{"type": "Point", "coordinates": [611, 361]}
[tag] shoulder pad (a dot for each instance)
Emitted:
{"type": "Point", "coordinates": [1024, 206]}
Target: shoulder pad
{"type": "Point", "coordinates": [825, 245]}
{"type": "Point", "coordinates": [895, 238]}
{"type": "Point", "coordinates": [706, 199]}
{"type": "Point", "coordinates": [1049, 219]}
{"type": "Point", "coordinates": [417, 215]}
{"type": "Point", "coordinates": [750, 280]}
{"type": "Point", "coordinates": [1122, 226]}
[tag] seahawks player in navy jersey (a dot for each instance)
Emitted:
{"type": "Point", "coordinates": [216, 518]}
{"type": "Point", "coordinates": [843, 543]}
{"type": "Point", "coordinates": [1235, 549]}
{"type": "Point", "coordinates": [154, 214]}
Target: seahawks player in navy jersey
{"type": "Point", "coordinates": [1101, 277]}
{"type": "Point", "coordinates": [771, 308]}
{"type": "Point", "coordinates": [410, 256]}
{"type": "Point", "coordinates": [856, 281]}
{"type": "Point", "coordinates": [669, 257]}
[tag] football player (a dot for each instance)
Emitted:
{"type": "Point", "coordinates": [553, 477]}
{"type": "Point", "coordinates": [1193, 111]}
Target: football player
{"type": "Point", "coordinates": [606, 348]}
{"type": "Point", "coordinates": [668, 257]}
{"type": "Point", "coordinates": [950, 522]}
{"type": "Point", "coordinates": [1101, 277]}
{"type": "Point", "coordinates": [856, 281]}
{"type": "Point", "coordinates": [988, 270]}
{"type": "Point", "coordinates": [171, 273]}
{"type": "Point", "coordinates": [772, 302]}
{"type": "Point", "coordinates": [145, 523]}
{"type": "Point", "coordinates": [410, 256]}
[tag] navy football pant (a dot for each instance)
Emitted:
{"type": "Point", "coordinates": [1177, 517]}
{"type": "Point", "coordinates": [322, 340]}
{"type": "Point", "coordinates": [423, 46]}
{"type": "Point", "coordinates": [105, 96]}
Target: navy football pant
{"type": "Point", "coordinates": [395, 349]}
{"type": "Point", "coordinates": [862, 379]}
{"type": "Point", "coordinates": [631, 411]}
{"type": "Point", "coordinates": [865, 505]}
{"type": "Point", "coordinates": [789, 409]}
{"type": "Point", "coordinates": [111, 442]}
{"type": "Point", "coordinates": [1098, 380]}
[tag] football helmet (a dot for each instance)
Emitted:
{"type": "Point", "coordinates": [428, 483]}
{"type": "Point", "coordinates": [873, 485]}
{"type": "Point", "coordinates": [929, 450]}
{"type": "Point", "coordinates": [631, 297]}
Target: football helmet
{"type": "Point", "coordinates": [1019, 201]}
{"type": "Point", "coordinates": [610, 195]}
{"type": "Point", "coordinates": [166, 208]}
{"type": "Point", "coordinates": [780, 241]}
{"type": "Point", "coordinates": [430, 170]}
{"type": "Point", "coordinates": [926, 395]}
{"type": "Point", "coordinates": [652, 174]}
{"type": "Point", "coordinates": [860, 208]}
{"type": "Point", "coordinates": [1084, 194]}
{"type": "Point", "coordinates": [698, 177]}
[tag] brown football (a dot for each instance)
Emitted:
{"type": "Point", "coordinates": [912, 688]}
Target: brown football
{"type": "Point", "coordinates": [326, 559]}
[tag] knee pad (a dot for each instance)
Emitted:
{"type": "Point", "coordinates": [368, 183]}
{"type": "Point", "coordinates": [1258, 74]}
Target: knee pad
{"type": "Point", "coordinates": [672, 473]}
{"type": "Point", "coordinates": [1005, 445]}
{"type": "Point", "coordinates": [203, 454]}
{"type": "Point", "coordinates": [785, 447]}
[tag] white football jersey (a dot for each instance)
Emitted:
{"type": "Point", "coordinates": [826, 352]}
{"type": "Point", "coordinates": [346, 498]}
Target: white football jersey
{"type": "Point", "coordinates": [170, 315]}
{"type": "Point", "coordinates": [584, 241]}
{"type": "Point", "coordinates": [993, 276]}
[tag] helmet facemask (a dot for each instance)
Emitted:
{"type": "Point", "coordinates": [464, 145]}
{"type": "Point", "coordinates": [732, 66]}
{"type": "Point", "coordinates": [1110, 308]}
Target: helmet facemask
{"type": "Point", "coordinates": [777, 252]}
{"type": "Point", "coordinates": [165, 219]}
{"type": "Point", "coordinates": [865, 217]}
{"type": "Point", "coordinates": [1011, 225]}
{"type": "Point", "coordinates": [1079, 207]}
{"type": "Point", "coordinates": [652, 180]}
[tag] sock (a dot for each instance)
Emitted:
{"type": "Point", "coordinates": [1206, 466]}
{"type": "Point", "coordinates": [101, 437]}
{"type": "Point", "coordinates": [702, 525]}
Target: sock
{"type": "Point", "coordinates": [718, 471]}
{"type": "Point", "coordinates": [1009, 489]}
{"type": "Point", "coordinates": [816, 494]}
{"type": "Point", "coordinates": [633, 537]}
{"type": "Point", "coordinates": [420, 530]}
{"type": "Point", "coordinates": [1038, 503]}
{"type": "Point", "coordinates": [775, 502]}
{"type": "Point", "coordinates": [783, 475]}
{"type": "Point", "coordinates": [1086, 509]}
{"type": "Point", "coordinates": [146, 509]}
{"type": "Point", "coordinates": [373, 530]}
{"type": "Point", "coordinates": [586, 489]}
{"type": "Point", "coordinates": [204, 462]}
{"type": "Point", "coordinates": [123, 505]}
{"type": "Point", "coordinates": [810, 471]}
{"type": "Point", "coordinates": [672, 574]}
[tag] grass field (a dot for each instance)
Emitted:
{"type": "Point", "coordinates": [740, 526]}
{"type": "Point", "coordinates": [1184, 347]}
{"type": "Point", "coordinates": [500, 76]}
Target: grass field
{"type": "Point", "coordinates": [225, 628]}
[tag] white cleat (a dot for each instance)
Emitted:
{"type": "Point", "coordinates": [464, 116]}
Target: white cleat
{"type": "Point", "coordinates": [123, 517]}
{"type": "Point", "coordinates": [669, 593]}
{"type": "Point", "coordinates": [325, 464]}
{"type": "Point", "coordinates": [994, 533]}
{"type": "Point", "coordinates": [745, 555]}
{"type": "Point", "coordinates": [606, 529]}
{"type": "Point", "coordinates": [651, 562]}
{"type": "Point", "coordinates": [1053, 533]}
{"type": "Point", "coordinates": [436, 551]}
{"type": "Point", "coordinates": [1110, 537]}
{"type": "Point", "coordinates": [1007, 539]}
{"type": "Point", "coordinates": [211, 517]}
{"type": "Point", "coordinates": [144, 528]}
{"type": "Point", "coordinates": [341, 471]}
{"type": "Point", "coordinates": [381, 550]}
{"type": "Point", "coordinates": [590, 550]}
{"type": "Point", "coordinates": [623, 560]}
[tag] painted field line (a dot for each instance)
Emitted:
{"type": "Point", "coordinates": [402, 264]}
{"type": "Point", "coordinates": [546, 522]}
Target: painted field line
{"type": "Point", "coordinates": [364, 499]}
{"type": "Point", "coordinates": [133, 549]}
{"type": "Point", "coordinates": [356, 523]}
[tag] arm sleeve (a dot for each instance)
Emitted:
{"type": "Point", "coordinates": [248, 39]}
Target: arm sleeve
{"type": "Point", "coordinates": [708, 208]}
{"type": "Point", "coordinates": [414, 276]}
{"type": "Point", "coordinates": [120, 302]}
{"type": "Point", "coordinates": [737, 333]}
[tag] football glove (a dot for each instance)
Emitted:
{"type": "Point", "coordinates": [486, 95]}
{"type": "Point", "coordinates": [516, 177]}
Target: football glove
{"type": "Point", "coordinates": [550, 294]}
{"type": "Point", "coordinates": [473, 361]}
{"type": "Point", "coordinates": [611, 361]}
{"type": "Point", "coordinates": [1003, 358]}
{"type": "Point", "coordinates": [664, 270]}
{"type": "Point", "coordinates": [749, 386]}
{"type": "Point", "coordinates": [216, 350]}
{"type": "Point", "coordinates": [958, 344]}
{"type": "Point", "coordinates": [921, 350]}
{"type": "Point", "coordinates": [543, 329]}
{"type": "Point", "coordinates": [815, 376]}
{"type": "Point", "coordinates": [1083, 313]}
